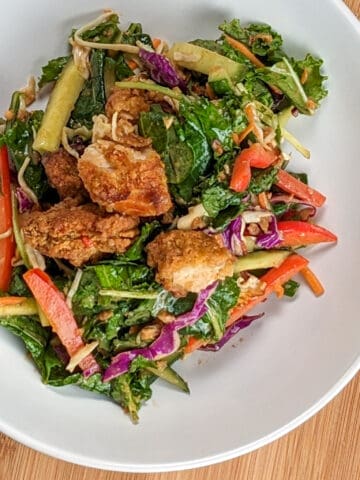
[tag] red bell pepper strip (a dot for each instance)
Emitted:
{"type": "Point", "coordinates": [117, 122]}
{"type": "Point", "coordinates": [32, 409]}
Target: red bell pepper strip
{"type": "Point", "coordinates": [258, 156]}
{"type": "Point", "coordinates": [58, 313]}
{"type": "Point", "coordinates": [254, 156]}
{"type": "Point", "coordinates": [273, 278]}
{"type": "Point", "coordinates": [299, 189]}
{"type": "Point", "coordinates": [241, 174]}
{"type": "Point", "coordinates": [295, 233]}
{"type": "Point", "coordinates": [7, 246]}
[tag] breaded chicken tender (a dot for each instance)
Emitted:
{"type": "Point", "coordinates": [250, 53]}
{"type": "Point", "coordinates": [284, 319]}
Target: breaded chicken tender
{"type": "Point", "coordinates": [61, 170]}
{"type": "Point", "coordinates": [126, 180]}
{"type": "Point", "coordinates": [188, 261]}
{"type": "Point", "coordinates": [78, 233]}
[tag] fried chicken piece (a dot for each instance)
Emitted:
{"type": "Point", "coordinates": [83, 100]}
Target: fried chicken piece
{"type": "Point", "coordinates": [61, 170]}
{"type": "Point", "coordinates": [188, 261]}
{"type": "Point", "coordinates": [129, 103]}
{"type": "Point", "coordinates": [126, 180]}
{"type": "Point", "coordinates": [78, 233]}
{"type": "Point", "coordinates": [104, 129]}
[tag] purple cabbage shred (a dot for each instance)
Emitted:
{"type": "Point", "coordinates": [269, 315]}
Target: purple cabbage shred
{"type": "Point", "coordinates": [240, 324]}
{"type": "Point", "coordinates": [161, 70]}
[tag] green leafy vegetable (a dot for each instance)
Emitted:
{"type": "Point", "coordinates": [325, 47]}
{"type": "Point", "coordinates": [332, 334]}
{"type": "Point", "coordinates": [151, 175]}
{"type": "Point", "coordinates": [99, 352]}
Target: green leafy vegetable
{"type": "Point", "coordinates": [136, 251]}
{"type": "Point", "coordinates": [177, 155]}
{"type": "Point", "coordinates": [135, 34]}
{"type": "Point", "coordinates": [19, 137]}
{"type": "Point", "coordinates": [34, 336]}
{"type": "Point", "coordinates": [122, 70]}
{"type": "Point", "coordinates": [262, 40]}
{"type": "Point", "coordinates": [92, 98]}
{"type": "Point", "coordinates": [283, 76]}
{"type": "Point", "coordinates": [17, 285]}
{"type": "Point", "coordinates": [218, 197]}
{"type": "Point", "coordinates": [290, 288]}
{"type": "Point", "coordinates": [52, 70]}
{"type": "Point", "coordinates": [212, 45]}
{"type": "Point", "coordinates": [262, 179]}
{"type": "Point", "coordinates": [313, 85]}
{"type": "Point", "coordinates": [107, 32]}
{"type": "Point", "coordinates": [212, 324]}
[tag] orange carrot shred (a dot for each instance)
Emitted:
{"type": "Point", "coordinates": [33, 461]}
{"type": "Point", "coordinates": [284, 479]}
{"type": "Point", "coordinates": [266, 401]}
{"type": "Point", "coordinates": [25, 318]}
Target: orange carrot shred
{"type": "Point", "coordinates": [245, 51]}
{"type": "Point", "coordinates": [11, 300]}
{"type": "Point", "coordinates": [156, 42]}
{"type": "Point", "coordinates": [250, 115]}
{"type": "Point", "coordinates": [312, 280]}
{"type": "Point", "coordinates": [132, 64]}
{"type": "Point", "coordinates": [193, 344]}
{"type": "Point", "coordinates": [240, 137]}
{"type": "Point", "coordinates": [279, 291]}
{"type": "Point", "coordinates": [304, 76]}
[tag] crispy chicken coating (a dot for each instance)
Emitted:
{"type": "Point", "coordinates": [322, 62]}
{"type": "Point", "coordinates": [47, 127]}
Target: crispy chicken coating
{"type": "Point", "coordinates": [61, 170]}
{"type": "Point", "coordinates": [78, 233]}
{"type": "Point", "coordinates": [126, 180]}
{"type": "Point", "coordinates": [188, 261]}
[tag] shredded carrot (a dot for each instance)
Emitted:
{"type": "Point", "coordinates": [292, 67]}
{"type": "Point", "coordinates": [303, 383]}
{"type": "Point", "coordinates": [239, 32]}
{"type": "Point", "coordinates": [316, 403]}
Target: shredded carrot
{"type": "Point", "coordinates": [240, 137]}
{"type": "Point", "coordinates": [193, 344]}
{"type": "Point", "coordinates": [245, 51]}
{"type": "Point", "coordinates": [156, 42]}
{"type": "Point", "coordinates": [279, 291]}
{"type": "Point", "coordinates": [11, 300]}
{"type": "Point", "coordinates": [312, 280]}
{"type": "Point", "coordinates": [251, 116]}
{"type": "Point", "coordinates": [311, 104]}
{"type": "Point", "coordinates": [304, 76]}
{"type": "Point", "coordinates": [132, 64]}
{"type": "Point", "coordinates": [264, 201]}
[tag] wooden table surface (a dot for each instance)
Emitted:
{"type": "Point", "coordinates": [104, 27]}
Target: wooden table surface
{"type": "Point", "coordinates": [327, 447]}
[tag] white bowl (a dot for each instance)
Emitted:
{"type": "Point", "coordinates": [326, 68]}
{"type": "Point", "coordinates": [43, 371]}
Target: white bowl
{"type": "Point", "coordinates": [290, 363]}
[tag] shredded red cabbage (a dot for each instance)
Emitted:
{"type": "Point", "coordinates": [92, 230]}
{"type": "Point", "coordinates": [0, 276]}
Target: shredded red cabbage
{"type": "Point", "coordinates": [199, 309]}
{"type": "Point", "coordinates": [232, 236]}
{"type": "Point", "coordinates": [167, 342]}
{"type": "Point", "coordinates": [161, 70]}
{"type": "Point", "coordinates": [24, 202]}
{"type": "Point", "coordinates": [270, 239]}
{"type": "Point", "coordinates": [243, 322]}
{"type": "Point", "coordinates": [94, 368]}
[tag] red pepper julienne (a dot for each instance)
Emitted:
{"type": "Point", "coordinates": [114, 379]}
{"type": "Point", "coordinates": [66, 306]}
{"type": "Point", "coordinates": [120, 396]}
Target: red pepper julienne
{"type": "Point", "coordinates": [58, 313]}
{"type": "Point", "coordinates": [7, 245]}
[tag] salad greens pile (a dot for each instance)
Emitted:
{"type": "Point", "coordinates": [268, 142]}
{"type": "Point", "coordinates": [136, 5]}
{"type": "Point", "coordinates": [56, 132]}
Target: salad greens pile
{"type": "Point", "coordinates": [218, 127]}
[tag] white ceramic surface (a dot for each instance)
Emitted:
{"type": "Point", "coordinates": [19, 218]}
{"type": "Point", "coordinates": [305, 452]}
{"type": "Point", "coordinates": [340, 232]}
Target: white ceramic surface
{"type": "Point", "coordinates": [291, 362]}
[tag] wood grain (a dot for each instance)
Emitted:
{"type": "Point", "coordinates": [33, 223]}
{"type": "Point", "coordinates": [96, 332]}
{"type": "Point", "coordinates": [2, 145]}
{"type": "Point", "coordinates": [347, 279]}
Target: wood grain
{"type": "Point", "coordinates": [327, 447]}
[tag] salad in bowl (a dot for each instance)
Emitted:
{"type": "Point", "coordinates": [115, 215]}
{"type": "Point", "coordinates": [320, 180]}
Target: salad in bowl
{"type": "Point", "coordinates": [152, 205]}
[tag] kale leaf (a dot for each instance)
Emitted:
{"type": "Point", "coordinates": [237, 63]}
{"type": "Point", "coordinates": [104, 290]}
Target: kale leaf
{"type": "Point", "coordinates": [92, 98]}
{"type": "Point", "coordinates": [52, 70]}
{"type": "Point", "coordinates": [19, 137]}
{"type": "Point", "coordinates": [105, 32]}
{"type": "Point", "coordinates": [212, 325]}
{"type": "Point", "coordinates": [218, 197]}
{"type": "Point", "coordinates": [313, 85]}
{"type": "Point", "coordinates": [135, 34]}
{"type": "Point", "coordinates": [262, 40]}
{"type": "Point", "coordinates": [283, 76]}
{"type": "Point", "coordinates": [34, 336]}
{"type": "Point", "coordinates": [262, 179]}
